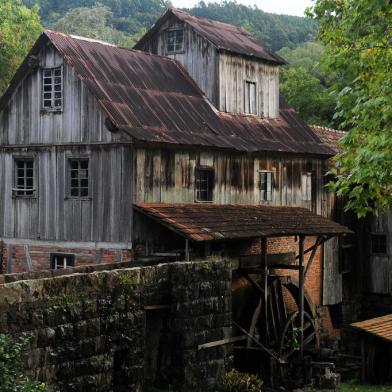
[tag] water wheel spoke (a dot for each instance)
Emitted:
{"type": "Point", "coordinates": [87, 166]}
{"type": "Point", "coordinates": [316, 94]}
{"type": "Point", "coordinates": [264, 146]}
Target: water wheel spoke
{"type": "Point", "coordinates": [308, 339]}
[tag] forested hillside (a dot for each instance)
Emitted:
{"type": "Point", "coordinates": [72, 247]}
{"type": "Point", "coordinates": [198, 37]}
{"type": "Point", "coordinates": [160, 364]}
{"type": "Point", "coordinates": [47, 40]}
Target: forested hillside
{"type": "Point", "coordinates": [123, 21]}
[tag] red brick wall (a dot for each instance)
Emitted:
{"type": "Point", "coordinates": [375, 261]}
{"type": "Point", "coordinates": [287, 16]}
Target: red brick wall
{"type": "Point", "coordinates": [40, 256]}
{"type": "Point", "coordinates": [314, 278]}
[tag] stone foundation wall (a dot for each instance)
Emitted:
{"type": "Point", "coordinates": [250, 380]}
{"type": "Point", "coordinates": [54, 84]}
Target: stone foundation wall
{"type": "Point", "coordinates": [92, 331]}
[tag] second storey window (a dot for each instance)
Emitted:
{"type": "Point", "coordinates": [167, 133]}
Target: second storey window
{"type": "Point", "coordinates": [79, 177]}
{"type": "Point", "coordinates": [250, 97]}
{"type": "Point", "coordinates": [174, 41]}
{"type": "Point", "coordinates": [306, 186]}
{"type": "Point", "coordinates": [204, 184]}
{"type": "Point", "coordinates": [266, 185]}
{"type": "Point", "coordinates": [52, 88]}
{"type": "Point", "coordinates": [24, 177]}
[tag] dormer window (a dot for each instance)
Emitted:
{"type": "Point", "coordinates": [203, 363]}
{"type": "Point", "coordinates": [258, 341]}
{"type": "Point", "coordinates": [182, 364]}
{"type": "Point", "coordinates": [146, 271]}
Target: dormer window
{"type": "Point", "coordinates": [52, 88]}
{"type": "Point", "coordinates": [250, 97]}
{"type": "Point", "coordinates": [174, 41]}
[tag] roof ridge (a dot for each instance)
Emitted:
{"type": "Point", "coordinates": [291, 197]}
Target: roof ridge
{"type": "Point", "coordinates": [327, 128]}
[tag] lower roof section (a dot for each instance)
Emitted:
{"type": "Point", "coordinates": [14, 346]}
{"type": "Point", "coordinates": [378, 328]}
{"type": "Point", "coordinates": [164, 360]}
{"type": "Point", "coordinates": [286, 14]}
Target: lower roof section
{"type": "Point", "coordinates": [212, 222]}
{"type": "Point", "coordinates": [380, 327]}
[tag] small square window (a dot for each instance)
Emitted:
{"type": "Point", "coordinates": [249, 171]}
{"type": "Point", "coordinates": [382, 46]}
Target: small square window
{"type": "Point", "coordinates": [61, 260]}
{"type": "Point", "coordinates": [174, 41]}
{"type": "Point", "coordinates": [250, 97]}
{"type": "Point", "coordinates": [52, 88]}
{"type": "Point", "coordinates": [379, 244]}
{"type": "Point", "coordinates": [24, 177]}
{"type": "Point", "coordinates": [266, 185]}
{"type": "Point", "coordinates": [204, 184]}
{"type": "Point", "coordinates": [306, 186]}
{"type": "Point", "coordinates": [79, 177]}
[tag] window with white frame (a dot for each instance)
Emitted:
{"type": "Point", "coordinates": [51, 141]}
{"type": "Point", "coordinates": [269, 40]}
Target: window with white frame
{"type": "Point", "coordinates": [174, 41]}
{"type": "Point", "coordinates": [79, 177]}
{"type": "Point", "coordinates": [306, 186]}
{"type": "Point", "coordinates": [24, 177]}
{"type": "Point", "coordinates": [61, 260]}
{"type": "Point", "coordinates": [250, 97]}
{"type": "Point", "coordinates": [204, 184]}
{"type": "Point", "coordinates": [52, 88]}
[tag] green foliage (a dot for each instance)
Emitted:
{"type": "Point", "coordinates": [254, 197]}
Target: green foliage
{"type": "Point", "coordinates": [358, 39]}
{"type": "Point", "coordinates": [19, 28]}
{"type": "Point", "coordinates": [93, 23]}
{"type": "Point", "coordinates": [12, 356]}
{"type": "Point", "coordinates": [235, 381]}
{"type": "Point", "coordinates": [275, 31]}
{"type": "Point", "coordinates": [133, 17]}
{"type": "Point", "coordinates": [306, 84]}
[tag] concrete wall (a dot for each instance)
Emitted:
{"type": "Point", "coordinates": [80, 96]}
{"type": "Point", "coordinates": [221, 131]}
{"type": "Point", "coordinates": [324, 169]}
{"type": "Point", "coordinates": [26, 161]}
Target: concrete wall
{"type": "Point", "coordinates": [94, 329]}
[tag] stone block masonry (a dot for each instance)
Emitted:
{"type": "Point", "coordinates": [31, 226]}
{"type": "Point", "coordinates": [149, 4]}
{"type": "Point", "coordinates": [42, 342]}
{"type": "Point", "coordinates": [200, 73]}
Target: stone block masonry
{"type": "Point", "coordinates": [122, 329]}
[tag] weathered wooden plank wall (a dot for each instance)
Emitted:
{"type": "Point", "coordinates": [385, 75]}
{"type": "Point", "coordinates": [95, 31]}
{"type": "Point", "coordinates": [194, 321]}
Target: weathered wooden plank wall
{"type": "Point", "coordinates": [234, 70]}
{"type": "Point", "coordinates": [52, 214]}
{"type": "Point", "coordinates": [81, 121]}
{"type": "Point", "coordinates": [199, 56]}
{"type": "Point", "coordinates": [168, 175]}
{"type": "Point", "coordinates": [380, 266]}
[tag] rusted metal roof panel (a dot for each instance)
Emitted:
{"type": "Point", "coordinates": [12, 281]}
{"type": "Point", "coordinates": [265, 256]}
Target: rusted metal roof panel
{"type": "Point", "coordinates": [380, 327]}
{"type": "Point", "coordinates": [224, 36]}
{"type": "Point", "coordinates": [211, 222]}
{"type": "Point", "coordinates": [329, 137]}
{"type": "Point", "coordinates": [153, 99]}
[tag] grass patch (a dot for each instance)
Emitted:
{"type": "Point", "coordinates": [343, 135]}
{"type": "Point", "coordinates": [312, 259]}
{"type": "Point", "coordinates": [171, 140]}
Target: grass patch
{"type": "Point", "coordinates": [355, 387]}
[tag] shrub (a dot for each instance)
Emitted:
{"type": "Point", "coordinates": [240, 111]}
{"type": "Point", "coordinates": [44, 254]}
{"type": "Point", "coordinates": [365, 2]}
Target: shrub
{"type": "Point", "coordinates": [12, 356]}
{"type": "Point", "coordinates": [234, 381]}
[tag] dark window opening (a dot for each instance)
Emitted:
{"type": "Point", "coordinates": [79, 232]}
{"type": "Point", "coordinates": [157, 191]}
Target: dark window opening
{"type": "Point", "coordinates": [266, 186]}
{"type": "Point", "coordinates": [24, 177]}
{"type": "Point", "coordinates": [379, 243]}
{"type": "Point", "coordinates": [250, 98]}
{"type": "Point", "coordinates": [175, 41]}
{"type": "Point", "coordinates": [61, 260]}
{"type": "Point", "coordinates": [336, 314]}
{"type": "Point", "coordinates": [79, 177]}
{"type": "Point", "coordinates": [204, 184]}
{"type": "Point", "coordinates": [52, 88]}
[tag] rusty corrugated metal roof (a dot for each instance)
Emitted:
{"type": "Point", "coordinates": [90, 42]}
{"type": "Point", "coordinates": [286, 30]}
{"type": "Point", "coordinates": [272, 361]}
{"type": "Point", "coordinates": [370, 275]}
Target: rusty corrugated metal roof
{"type": "Point", "coordinates": [223, 36]}
{"type": "Point", "coordinates": [379, 326]}
{"type": "Point", "coordinates": [154, 100]}
{"type": "Point", "coordinates": [211, 222]}
{"type": "Point", "coordinates": [329, 137]}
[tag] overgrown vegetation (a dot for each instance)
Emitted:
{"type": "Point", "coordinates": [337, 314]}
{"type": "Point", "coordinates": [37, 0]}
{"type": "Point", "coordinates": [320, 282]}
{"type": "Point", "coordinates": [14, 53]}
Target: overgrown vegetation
{"type": "Point", "coordinates": [358, 38]}
{"type": "Point", "coordinates": [12, 356]}
{"type": "Point", "coordinates": [235, 381]}
{"type": "Point", "coordinates": [19, 28]}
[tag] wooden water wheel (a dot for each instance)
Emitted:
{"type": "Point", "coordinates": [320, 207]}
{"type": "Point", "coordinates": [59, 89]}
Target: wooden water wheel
{"type": "Point", "coordinates": [281, 331]}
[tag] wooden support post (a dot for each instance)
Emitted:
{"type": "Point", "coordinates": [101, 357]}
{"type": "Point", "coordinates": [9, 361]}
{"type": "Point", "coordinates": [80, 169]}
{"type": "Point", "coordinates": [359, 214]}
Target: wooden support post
{"type": "Point", "coordinates": [313, 254]}
{"type": "Point", "coordinates": [264, 269]}
{"type": "Point", "coordinates": [363, 359]}
{"type": "Point", "coordinates": [301, 292]}
{"type": "Point", "coordinates": [187, 249]}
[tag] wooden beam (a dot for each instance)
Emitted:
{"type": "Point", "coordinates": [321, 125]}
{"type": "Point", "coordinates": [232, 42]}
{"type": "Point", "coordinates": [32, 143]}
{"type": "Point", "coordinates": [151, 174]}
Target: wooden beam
{"type": "Point", "coordinates": [301, 292]}
{"type": "Point", "coordinates": [251, 281]}
{"type": "Point", "coordinates": [313, 254]}
{"type": "Point", "coordinates": [264, 268]}
{"type": "Point", "coordinates": [283, 266]}
{"type": "Point", "coordinates": [186, 249]}
{"type": "Point", "coordinates": [222, 342]}
{"type": "Point", "coordinates": [324, 239]}
{"type": "Point", "coordinates": [157, 307]}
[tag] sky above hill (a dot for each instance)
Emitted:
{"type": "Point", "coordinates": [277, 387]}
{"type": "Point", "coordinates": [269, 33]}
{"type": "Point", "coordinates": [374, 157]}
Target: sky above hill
{"type": "Point", "coordinates": [288, 7]}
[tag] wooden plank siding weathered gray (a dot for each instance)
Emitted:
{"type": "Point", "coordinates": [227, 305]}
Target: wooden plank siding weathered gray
{"type": "Point", "coordinates": [51, 139]}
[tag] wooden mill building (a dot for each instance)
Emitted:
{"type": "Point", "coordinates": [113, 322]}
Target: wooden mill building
{"type": "Point", "coordinates": [178, 149]}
